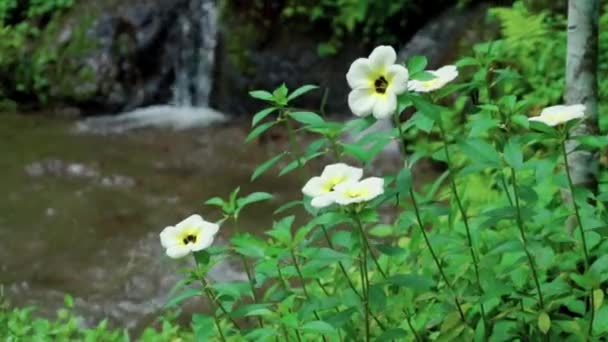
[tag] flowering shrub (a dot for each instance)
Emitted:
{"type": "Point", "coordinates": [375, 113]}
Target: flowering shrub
{"type": "Point", "coordinates": [438, 264]}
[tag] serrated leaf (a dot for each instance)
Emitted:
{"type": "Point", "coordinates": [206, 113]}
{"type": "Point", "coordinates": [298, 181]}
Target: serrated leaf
{"type": "Point", "coordinates": [266, 165]}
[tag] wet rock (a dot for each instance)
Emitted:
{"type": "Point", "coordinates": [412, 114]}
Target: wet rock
{"type": "Point", "coordinates": [75, 170]}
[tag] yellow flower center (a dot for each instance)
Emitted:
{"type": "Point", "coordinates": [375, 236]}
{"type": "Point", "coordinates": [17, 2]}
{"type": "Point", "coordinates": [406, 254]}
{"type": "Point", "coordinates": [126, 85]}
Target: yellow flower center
{"type": "Point", "coordinates": [332, 182]}
{"type": "Point", "coordinates": [380, 85]}
{"type": "Point", "coordinates": [354, 193]}
{"type": "Point", "coordinates": [188, 237]}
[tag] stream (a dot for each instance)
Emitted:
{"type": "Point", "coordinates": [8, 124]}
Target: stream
{"type": "Point", "coordinates": [81, 213]}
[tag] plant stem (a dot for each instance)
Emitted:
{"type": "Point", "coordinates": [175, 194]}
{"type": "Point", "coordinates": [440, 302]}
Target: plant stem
{"type": "Point", "coordinates": [576, 209]}
{"type": "Point", "coordinates": [252, 285]}
{"type": "Point", "coordinates": [421, 225]}
{"type": "Point", "coordinates": [350, 283]}
{"type": "Point", "coordinates": [579, 222]}
{"type": "Point", "coordinates": [365, 286]}
{"type": "Point", "coordinates": [365, 241]}
{"type": "Point", "coordinates": [219, 305]}
{"type": "Point", "coordinates": [465, 220]}
{"type": "Point", "coordinates": [520, 225]}
{"type": "Point", "coordinates": [435, 258]}
{"type": "Point", "coordinates": [293, 146]}
{"type": "Point", "coordinates": [297, 266]}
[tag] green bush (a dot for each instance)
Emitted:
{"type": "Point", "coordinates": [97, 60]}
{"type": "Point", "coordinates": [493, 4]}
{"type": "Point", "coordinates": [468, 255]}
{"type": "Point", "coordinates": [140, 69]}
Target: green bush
{"type": "Point", "coordinates": [33, 66]}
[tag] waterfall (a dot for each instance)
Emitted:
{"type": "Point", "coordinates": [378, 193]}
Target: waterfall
{"type": "Point", "coordinates": [193, 80]}
{"type": "Point", "coordinates": [194, 67]}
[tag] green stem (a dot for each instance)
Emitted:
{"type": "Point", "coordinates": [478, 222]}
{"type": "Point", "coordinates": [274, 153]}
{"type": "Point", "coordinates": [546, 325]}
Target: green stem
{"type": "Point", "coordinates": [465, 220]}
{"type": "Point", "coordinates": [367, 245]}
{"type": "Point", "coordinates": [219, 305]}
{"type": "Point", "coordinates": [421, 225]}
{"type": "Point", "coordinates": [365, 287]}
{"type": "Point", "coordinates": [297, 266]}
{"type": "Point", "coordinates": [579, 222]}
{"type": "Point", "coordinates": [576, 209]}
{"type": "Point", "coordinates": [522, 232]}
{"type": "Point", "coordinates": [252, 286]}
{"type": "Point", "coordinates": [293, 146]}
{"type": "Point", "coordinates": [411, 326]}
{"type": "Point", "coordinates": [350, 283]}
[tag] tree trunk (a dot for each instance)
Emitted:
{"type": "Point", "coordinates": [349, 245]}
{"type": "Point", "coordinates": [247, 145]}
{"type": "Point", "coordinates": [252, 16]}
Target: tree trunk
{"type": "Point", "coordinates": [581, 83]}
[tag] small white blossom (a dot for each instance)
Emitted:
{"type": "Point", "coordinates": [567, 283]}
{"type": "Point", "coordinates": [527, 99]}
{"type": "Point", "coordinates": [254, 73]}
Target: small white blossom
{"type": "Point", "coordinates": [375, 82]}
{"type": "Point", "coordinates": [443, 76]}
{"type": "Point", "coordinates": [356, 192]}
{"type": "Point", "coordinates": [190, 235]}
{"type": "Point", "coordinates": [320, 187]}
{"type": "Point", "coordinates": [555, 115]}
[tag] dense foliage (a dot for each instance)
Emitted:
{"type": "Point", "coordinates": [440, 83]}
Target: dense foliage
{"type": "Point", "coordinates": [501, 246]}
{"type": "Point", "coordinates": [34, 61]}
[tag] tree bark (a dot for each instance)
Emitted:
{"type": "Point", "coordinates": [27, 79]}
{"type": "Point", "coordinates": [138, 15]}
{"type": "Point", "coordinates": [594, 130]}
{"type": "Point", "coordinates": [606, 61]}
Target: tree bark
{"type": "Point", "coordinates": [581, 84]}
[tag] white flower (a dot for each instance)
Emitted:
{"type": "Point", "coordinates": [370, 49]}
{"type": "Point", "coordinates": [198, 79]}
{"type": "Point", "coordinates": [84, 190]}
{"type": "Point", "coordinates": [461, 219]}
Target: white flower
{"type": "Point", "coordinates": [191, 235]}
{"type": "Point", "coordinates": [553, 116]}
{"type": "Point", "coordinates": [375, 82]}
{"type": "Point", "coordinates": [442, 75]}
{"type": "Point", "coordinates": [320, 188]}
{"type": "Point", "coordinates": [358, 191]}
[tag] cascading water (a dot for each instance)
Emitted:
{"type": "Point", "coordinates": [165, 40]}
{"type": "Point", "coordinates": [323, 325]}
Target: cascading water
{"type": "Point", "coordinates": [193, 80]}
{"type": "Point", "coordinates": [194, 67]}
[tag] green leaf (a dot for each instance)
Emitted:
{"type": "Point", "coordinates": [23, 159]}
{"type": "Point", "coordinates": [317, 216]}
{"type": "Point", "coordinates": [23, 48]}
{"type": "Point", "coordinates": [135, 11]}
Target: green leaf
{"type": "Point", "coordinates": [301, 91]}
{"type": "Point", "coordinates": [259, 116]}
{"type": "Point", "coordinates": [395, 334]}
{"type": "Point", "coordinates": [307, 118]}
{"type": "Point", "coordinates": [598, 298]}
{"type": "Point", "coordinates": [287, 206]}
{"type": "Point", "coordinates": [252, 198]}
{"type": "Point", "coordinates": [544, 322]}
{"type": "Point", "coordinates": [266, 165]}
{"type": "Point", "coordinates": [279, 95]}
{"type": "Point", "coordinates": [416, 64]}
{"type": "Point", "coordinates": [318, 327]}
{"type": "Point", "coordinates": [186, 294]}
{"type": "Point", "coordinates": [202, 325]}
{"type": "Point", "coordinates": [215, 201]}
{"type": "Point", "coordinates": [413, 281]}
{"type": "Point", "coordinates": [259, 130]}
{"type": "Point", "coordinates": [593, 141]}
{"type": "Point", "coordinates": [513, 154]}
{"type": "Point", "coordinates": [601, 321]}
{"type": "Point", "coordinates": [480, 152]}
{"type": "Point", "coordinates": [381, 230]}
{"type": "Point", "coordinates": [432, 111]}
{"type": "Point", "coordinates": [261, 95]}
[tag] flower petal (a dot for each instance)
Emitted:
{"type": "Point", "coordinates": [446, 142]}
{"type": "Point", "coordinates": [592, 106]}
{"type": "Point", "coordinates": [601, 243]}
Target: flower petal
{"type": "Point", "coordinates": [397, 76]}
{"type": "Point", "coordinates": [361, 101]}
{"type": "Point", "coordinates": [342, 170]}
{"type": "Point", "coordinates": [382, 58]}
{"type": "Point", "coordinates": [191, 221]}
{"type": "Point", "coordinates": [314, 187]}
{"type": "Point", "coordinates": [177, 252]}
{"type": "Point", "coordinates": [359, 74]}
{"type": "Point", "coordinates": [385, 106]}
{"type": "Point", "coordinates": [322, 201]}
{"type": "Point", "coordinates": [203, 241]}
{"type": "Point", "coordinates": [169, 237]}
{"type": "Point", "coordinates": [374, 187]}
